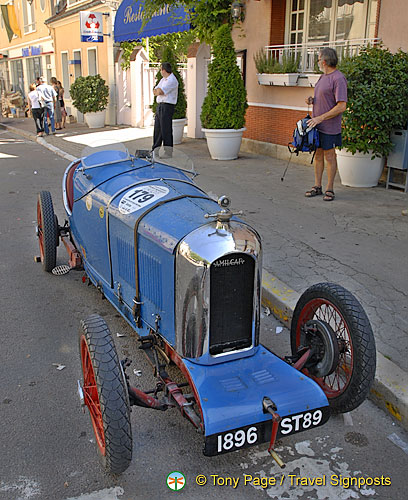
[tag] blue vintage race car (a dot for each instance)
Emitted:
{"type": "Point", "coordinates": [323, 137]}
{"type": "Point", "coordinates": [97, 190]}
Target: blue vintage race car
{"type": "Point", "coordinates": [185, 273]}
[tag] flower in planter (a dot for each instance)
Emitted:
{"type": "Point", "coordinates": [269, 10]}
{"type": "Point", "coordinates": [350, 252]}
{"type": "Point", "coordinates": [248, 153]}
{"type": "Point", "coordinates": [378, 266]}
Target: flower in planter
{"type": "Point", "coordinates": [265, 63]}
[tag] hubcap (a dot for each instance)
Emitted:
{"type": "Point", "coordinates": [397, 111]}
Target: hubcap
{"type": "Point", "coordinates": [324, 310]}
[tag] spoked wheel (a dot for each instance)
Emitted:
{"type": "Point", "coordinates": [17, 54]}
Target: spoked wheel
{"type": "Point", "coordinates": [47, 230]}
{"type": "Point", "coordinates": [337, 311]}
{"type": "Point", "coordinates": [105, 394]}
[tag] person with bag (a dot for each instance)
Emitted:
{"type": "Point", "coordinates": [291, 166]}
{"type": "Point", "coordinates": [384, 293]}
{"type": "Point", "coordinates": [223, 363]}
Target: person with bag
{"type": "Point", "coordinates": [57, 106]}
{"type": "Point", "coordinates": [36, 109]}
{"type": "Point", "coordinates": [49, 97]}
{"type": "Point", "coordinates": [329, 103]}
{"type": "Point", "coordinates": [62, 103]}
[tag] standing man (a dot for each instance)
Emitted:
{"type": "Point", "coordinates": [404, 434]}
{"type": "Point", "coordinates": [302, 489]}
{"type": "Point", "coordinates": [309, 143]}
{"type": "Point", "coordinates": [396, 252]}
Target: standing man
{"type": "Point", "coordinates": [49, 97]}
{"type": "Point", "coordinates": [166, 93]}
{"type": "Point", "coordinates": [329, 103]}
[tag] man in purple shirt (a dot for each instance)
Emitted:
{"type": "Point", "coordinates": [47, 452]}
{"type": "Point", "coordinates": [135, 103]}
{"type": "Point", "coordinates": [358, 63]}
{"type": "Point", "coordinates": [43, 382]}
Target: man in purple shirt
{"type": "Point", "coordinates": [329, 103]}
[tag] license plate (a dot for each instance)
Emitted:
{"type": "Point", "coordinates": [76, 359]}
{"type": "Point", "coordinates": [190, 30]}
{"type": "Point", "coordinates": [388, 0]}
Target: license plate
{"type": "Point", "coordinates": [250, 435]}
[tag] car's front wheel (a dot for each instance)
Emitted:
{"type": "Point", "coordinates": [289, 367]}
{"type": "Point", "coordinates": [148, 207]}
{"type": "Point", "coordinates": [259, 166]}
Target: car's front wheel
{"type": "Point", "coordinates": [335, 310]}
{"type": "Point", "coordinates": [105, 394]}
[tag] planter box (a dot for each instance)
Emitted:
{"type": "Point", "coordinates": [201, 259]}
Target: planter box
{"type": "Point", "coordinates": [279, 79]}
{"type": "Point", "coordinates": [359, 170]}
{"type": "Point", "coordinates": [313, 78]}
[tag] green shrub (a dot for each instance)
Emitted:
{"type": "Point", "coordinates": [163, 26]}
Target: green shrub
{"type": "Point", "coordinates": [377, 99]}
{"type": "Point", "coordinates": [181, 106]}
{"type": "Point", "coordinates": [89, 93]}
{"type": "Point", "coordinates": [265, 63]}
{"type": "Point", "coordinates": [226, 102]}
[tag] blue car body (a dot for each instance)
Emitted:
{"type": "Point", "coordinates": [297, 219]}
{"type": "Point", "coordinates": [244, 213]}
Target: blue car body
{"type": "Point", "coordinates": [146, 244]}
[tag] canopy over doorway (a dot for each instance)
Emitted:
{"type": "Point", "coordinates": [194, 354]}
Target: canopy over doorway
{"type": "Point", "coordinates": [129, 18]}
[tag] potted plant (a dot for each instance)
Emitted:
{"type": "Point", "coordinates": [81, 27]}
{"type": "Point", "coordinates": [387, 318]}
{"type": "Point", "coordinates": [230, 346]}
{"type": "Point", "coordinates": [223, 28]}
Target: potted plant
{"type": "Point", "coordinates": [377, 104]}
{"type": "Point", "coordinates": [90, 97]}
{"type": "Point", "coordinates": [271, 71]}
{"type": "Point", "coordinates": [223, 110]}
{"type": "Point", "coordinates": [180, 110]}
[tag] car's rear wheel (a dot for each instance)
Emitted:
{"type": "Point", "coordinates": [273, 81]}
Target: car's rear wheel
{"type": "Point", "coordinates": [105, 394]}
{"type": "Point", "coordinates": [47, 230]}
{"type": "Point", "coordinates": [336, 309]}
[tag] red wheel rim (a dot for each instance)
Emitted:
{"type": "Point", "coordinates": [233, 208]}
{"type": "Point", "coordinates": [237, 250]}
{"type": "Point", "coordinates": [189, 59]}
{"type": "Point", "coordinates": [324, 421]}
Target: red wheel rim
{"type": "Point", "coordinates": [91, 396]}
{"type": "Point", "coordinates": [40, 231]}
{"type": "Point", "coordinates": [335, 383]}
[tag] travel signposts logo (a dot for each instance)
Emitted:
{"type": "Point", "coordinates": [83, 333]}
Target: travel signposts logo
{"type": "Point", "coordinates": [176, 481]}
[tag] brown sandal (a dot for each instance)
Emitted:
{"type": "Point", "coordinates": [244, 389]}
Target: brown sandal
{"type": "Point", "coordinates": [315, 191]}
{"type": "Point", "coordinates": [328, 195]}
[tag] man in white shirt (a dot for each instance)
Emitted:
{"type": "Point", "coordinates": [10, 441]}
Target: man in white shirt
{"type": "Point", "coordinates": [48, 96]}
{"type": "Point", "coordinates": [166, 94]}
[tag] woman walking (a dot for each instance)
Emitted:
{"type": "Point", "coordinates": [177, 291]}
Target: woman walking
{"type": "Point", "coordinates": [36, 109]}
{"type": "Point", "coordinates": [58, 114]}
{"type": "Point", "coordinates": [62, 103]}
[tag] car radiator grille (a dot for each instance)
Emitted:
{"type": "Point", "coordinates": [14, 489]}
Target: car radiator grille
{"type": "Point", "coordinates": [231, 302]}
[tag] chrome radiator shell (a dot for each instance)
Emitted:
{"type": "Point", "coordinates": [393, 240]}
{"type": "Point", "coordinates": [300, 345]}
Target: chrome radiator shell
{"type": "Point", "coordinates": [195, 255]}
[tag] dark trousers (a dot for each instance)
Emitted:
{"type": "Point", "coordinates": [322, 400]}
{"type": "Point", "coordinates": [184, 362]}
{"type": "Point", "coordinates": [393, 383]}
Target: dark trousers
{"type": "Point", "coordinates": [38, 115]}
{"type": "Point", "coordinates": [163, 129]}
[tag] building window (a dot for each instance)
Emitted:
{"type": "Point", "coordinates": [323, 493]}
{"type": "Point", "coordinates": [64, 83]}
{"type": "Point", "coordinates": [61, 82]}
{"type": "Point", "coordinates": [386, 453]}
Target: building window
{"type": "Point", "coordinates": [28, 16]}
{"type": "Point", "coordinates": [42, 5]}
{"type": "Point", "coordinates": [78, 64]}
{"type": "Point", "coordinates": [92, 66]}
{"type": "Point", "coordinates": [65, 73]}
{"type": "Point", "coordinates": [48, 66]}
{"type": "Point", "coordinates": [17, 76]}
{"type": "Point", "coordinates": [34, 68]}
{"type": "Point", "coordinates": [372, 19]}
{"type": "Point", "coordinates": [321, 21]}
{"type": "Point", "coordinates": [4, 76]}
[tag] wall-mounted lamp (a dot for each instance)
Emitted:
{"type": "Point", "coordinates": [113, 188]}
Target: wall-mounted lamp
{"type": "Point", "coordinates": [237, 11]}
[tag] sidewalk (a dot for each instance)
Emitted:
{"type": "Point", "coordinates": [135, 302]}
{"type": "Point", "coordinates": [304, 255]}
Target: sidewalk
{"type": "Point", "coordinates": [359, 241]}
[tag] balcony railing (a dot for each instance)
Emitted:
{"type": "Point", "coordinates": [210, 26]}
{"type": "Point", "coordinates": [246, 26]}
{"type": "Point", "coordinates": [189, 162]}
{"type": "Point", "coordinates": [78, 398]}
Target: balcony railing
{"type": "Point", "coordinates": [307, 53]}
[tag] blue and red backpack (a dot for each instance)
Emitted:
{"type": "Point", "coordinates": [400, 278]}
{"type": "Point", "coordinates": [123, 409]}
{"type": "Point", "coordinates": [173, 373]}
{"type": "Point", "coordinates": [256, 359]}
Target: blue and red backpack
{"type": "Point", "coordinates": [305, 139]}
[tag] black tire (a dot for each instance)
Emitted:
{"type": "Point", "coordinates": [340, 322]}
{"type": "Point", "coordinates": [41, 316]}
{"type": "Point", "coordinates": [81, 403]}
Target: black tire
{"type": "Point", "coordinates": [47, 231]}
{"type": "Point", "coordinates": [109, 405]}
{"type": "Point", "coordinates": [348, 386]}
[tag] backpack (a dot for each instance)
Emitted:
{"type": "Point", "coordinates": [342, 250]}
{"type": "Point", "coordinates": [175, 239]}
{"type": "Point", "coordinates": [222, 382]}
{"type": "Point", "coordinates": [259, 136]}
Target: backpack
{"type": "Point", "coordinates": [305, 138]}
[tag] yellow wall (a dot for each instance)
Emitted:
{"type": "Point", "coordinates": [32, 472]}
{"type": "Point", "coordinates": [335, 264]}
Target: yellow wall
{"type": "Point", "coordinates": [41, 29]}
{"type": "Point", "coordinates": [67, 37]}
